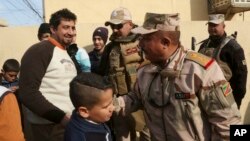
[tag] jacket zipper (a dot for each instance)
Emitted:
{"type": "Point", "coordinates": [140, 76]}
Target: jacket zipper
{"type": "Point", "coordinates": [196, 138]}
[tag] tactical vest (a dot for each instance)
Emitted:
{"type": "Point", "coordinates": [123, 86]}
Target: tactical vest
{"type": "Point", "coordinates": [124, 60]}
{"type": "Point", "coordinates": [215, 53]}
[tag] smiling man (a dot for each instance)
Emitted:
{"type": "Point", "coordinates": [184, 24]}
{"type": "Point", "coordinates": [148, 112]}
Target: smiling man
{"type": "Point", "coordinates": [45, 74]}
{"type": "Point", "coordinates": [99, 38]}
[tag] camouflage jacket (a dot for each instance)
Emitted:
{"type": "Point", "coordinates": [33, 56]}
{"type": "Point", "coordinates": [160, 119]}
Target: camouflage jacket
{"type": "Point", "coordinates": [187, 100]}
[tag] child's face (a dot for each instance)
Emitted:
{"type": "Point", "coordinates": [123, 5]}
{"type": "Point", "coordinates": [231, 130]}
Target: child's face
{"type": "Point", "coordinates": [102, 111]}
{"type": "Point", "coordinates": [10, 76]}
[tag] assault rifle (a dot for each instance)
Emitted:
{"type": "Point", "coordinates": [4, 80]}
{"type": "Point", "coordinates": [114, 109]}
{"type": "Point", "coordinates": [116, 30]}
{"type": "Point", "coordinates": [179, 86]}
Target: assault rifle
{"type": "Point", "coordinates": [193, 40]}
{"type": "Point", "coordinates": [234, 34]}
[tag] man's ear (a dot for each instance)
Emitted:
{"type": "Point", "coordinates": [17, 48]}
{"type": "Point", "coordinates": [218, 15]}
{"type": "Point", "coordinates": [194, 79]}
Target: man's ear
{"type": "Point", "coordinates": [83, 111]}
{"type": "Point", "coordinates": [52, 29]}
{"type": "Point", "coordinates": [2, 71]}
{"type": "Point", "coordinates": [165, 42]}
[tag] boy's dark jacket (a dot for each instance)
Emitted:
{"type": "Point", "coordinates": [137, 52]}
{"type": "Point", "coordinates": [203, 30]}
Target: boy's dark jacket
{"type": "Point", "coordinates": [79, 129]}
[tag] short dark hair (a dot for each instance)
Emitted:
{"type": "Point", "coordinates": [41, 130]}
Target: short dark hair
{"type": "Point", "coordinates": [86, 87]}
{"type": "Point", "coordinates": [65, 14]}
{"type": "Point", "coordinates": [43, 28]}
{"type": "Point", "coordinates": [11, 65]}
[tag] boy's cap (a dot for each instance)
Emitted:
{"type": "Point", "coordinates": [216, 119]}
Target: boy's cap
{"type": "Point", "coordinates": [102, 32]}
{"type": "Point", "coordinates": [118, 16]}
{"type": "Point", "coordinates": [216, 18]}
{"type": "Point", "coordinates": [154, 22]}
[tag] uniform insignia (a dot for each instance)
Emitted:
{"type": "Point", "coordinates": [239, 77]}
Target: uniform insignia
{"type": "Point", "coordinates": [130, 51]}
{"type": "Point", "coordinates": [182, 95]}
{"type": "Point", "coordinates": [226, 88]}
{"type": "Point", "coordinates": [201, 59]}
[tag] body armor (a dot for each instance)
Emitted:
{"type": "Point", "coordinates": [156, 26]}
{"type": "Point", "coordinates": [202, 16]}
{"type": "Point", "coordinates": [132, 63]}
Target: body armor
{"type": "Point", "coordinates": [215, 53]}
{"type": "Point", "coordinates": [124, 61]}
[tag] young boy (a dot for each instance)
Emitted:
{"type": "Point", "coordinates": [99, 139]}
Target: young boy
{"type": "Point", "coordinates": [8, 75]}
{"type": "Point", "coordinates": [92, 97]}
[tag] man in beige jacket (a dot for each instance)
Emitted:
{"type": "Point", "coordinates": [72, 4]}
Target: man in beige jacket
{"type": "Point", "coordinates": [183, 93]}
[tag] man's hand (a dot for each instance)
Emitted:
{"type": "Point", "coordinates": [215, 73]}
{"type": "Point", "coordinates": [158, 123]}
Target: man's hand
{"type": "Point", "coordinates": [65, 119]}
{"type": "Point", "coordinates": [119, 105]}
{"type": "Point", "coordinates": [116, 105]}
{"type": "Point", "coordinates": [13, 88]}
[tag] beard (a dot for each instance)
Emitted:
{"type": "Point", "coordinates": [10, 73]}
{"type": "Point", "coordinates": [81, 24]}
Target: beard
{"type": "Point", "coordinates": [68, 41]}
{"type": "Point", "coordinates": [215, 38]}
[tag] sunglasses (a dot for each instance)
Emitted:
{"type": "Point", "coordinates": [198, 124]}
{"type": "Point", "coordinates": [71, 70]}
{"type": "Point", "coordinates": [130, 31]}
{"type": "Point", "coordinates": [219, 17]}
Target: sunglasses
{"type": "Point", "coordinates": [116, 26]}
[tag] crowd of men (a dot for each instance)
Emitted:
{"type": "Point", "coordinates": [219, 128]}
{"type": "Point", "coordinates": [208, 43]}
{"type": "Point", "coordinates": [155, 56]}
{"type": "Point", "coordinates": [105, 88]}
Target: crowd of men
{"type": "Point", "coordinates": [138, 82]}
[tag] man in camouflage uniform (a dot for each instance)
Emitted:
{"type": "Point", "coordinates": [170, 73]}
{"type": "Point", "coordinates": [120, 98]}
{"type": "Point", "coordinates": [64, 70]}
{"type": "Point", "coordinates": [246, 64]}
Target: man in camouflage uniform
{"type": "Point", "coordinates": [120, 61]}
{"type": "Point", "coordinates": [184, 94]}
{"type": "Point", "coordinates": [229, 55]}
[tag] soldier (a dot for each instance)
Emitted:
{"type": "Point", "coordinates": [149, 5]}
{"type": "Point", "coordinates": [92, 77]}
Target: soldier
{"type": "Point", "coordinates": [184, 94]}
{"type": "Point", "coordinates": [120, 61]}
{"type": "Point", "coordinates": [229, 55]}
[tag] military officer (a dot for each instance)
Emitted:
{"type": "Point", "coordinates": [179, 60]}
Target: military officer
{"type": "Point", "coordinates": [184, 94]}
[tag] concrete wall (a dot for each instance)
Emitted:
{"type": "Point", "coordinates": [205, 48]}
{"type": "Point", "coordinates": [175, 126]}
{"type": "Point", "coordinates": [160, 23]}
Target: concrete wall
{"type": "Point", "coordinates": [14, 41]}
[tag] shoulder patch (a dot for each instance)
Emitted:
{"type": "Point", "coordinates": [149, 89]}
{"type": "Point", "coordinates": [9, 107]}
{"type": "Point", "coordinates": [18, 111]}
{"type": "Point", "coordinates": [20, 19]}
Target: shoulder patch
{"type": "Point", "coordinates": [201, 59]}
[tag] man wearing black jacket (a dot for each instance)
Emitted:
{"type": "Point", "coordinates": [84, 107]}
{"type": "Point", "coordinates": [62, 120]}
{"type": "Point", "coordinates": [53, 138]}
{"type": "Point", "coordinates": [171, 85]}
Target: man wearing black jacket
{"type": "Point", "coordinates": [229, 55]}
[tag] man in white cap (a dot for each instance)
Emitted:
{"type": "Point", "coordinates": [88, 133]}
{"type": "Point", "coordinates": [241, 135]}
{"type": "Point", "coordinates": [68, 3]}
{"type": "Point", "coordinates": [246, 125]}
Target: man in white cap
{"type": "Point", "coordinates": [120, 61]}
{"type": "Point", "coordinates": [229, 55]}
{"type": "Point", "coordinates": [183, 93]}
